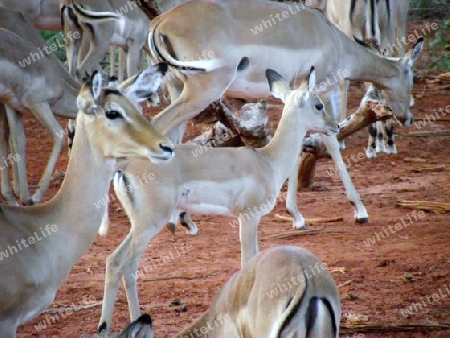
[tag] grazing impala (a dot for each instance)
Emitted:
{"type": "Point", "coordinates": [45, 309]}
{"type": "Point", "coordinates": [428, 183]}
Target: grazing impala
{"type": "Point", "coordinates": [283, 292]}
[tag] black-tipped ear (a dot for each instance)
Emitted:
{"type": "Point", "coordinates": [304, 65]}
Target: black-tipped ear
{"type": "Point", "coordinates": [416, 50]}
{"type": "Point", "coordinates": [362, 43]}
{"type": "Point", "coordinates": [145, 319]}
{"type": "Point", "coordinates": [272, 76]}
{"type": "Point", "coordinates": [311, 78]}
{"type": "Point", "coordinates": [163, 66]}
{"type": "Point", "coordinates": [86, 77]}
{"type": "Point", "coordinates": [278, 86]}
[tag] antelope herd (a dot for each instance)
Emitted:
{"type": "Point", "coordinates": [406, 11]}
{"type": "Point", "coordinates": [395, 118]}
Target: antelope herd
{"type": "Point", "coordinates": [201, 50]}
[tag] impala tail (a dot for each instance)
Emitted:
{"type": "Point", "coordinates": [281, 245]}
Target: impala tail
{"type": "Point", "coordinates": [87, 15]}
{"type": "Point", "coordinates": [162, 49]}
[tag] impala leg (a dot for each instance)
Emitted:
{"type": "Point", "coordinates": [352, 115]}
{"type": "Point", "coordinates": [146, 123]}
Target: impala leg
{"type": "Point", "coordinates": [193, 99]}
{"type": "Point", "coordinates": [332, 145]}
{"type": "Point", "coordinates": [97, 49]}
{"type": "Point", "coordinates": [133, 55]}
{"type": "Point", "coordinates": [380, 143]}
{"type": "Point", "coordinates": [291, 199]}
{"type": "Point", "coordinates": [112, 61]}
{"type": "Point", "coordinates": [391, 147]}
{"type": "Point", "coordinates": [248, 235]}
{"type": "Point", "coordinates": [124, 262]}
{"type": "Point", "coordinates": [6, 188]}
{"type": "Point", "coordinates": [343, 88]}
{"type": "Point", "coordinates": [121, 65]}
{"type": "Point", "coordinates": [371, 146]}
{"type": "Point", "coordinates": [18, 143]}
{"type": "Point", "coordinates": [45, 116]}
{"type": "Point", "coordinates": [71, 30]}
{"type": "Point", "coordinates": [188, 223]}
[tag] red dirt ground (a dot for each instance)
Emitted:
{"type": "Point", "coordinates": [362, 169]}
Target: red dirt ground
{"type": "Point", "coordinates": [382, 279]}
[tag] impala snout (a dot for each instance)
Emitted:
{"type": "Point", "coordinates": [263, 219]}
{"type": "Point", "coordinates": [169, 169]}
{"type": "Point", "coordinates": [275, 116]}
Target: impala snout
{"type": "Point", "coordinates": [409, 121]}
{"type": "Point", "coordinates": [164, 152]}
{"type": "Point", "coordinates": [333, 130]}
{"type": "Point", "coordinates": [167, 149]}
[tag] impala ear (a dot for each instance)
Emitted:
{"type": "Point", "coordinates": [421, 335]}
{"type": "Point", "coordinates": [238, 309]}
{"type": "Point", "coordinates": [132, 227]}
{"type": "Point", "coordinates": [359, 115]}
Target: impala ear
{"type": "Point", "coordinates": [414, 53]}
{"type": "Point", "coordinates": [312, 79]}
{"type": "Point", "coordinates": [278, 86]}
{"type": "Point", "coordinates": [88, 97]}
{"type": "Point", "coordinates": [96, 86]}
{"type": "Point", "coordinates": [145, 84]}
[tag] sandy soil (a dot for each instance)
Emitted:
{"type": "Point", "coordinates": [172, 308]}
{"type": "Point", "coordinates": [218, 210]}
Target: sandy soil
{"type": "Point", "coordinates": [381, 279]}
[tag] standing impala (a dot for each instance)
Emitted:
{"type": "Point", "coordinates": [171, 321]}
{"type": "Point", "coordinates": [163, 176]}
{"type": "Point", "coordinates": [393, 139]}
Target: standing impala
{"type": "Point", "coordinates": [222, 181]}
{"type": "Point", "coordinates": [40, 244]}
{"type": "Point", "coordinates": [242, 38]}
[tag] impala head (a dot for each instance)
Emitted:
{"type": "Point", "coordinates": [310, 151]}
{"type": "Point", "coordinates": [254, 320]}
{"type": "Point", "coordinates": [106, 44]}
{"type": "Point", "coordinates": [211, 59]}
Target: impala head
{"type": "Point", "coordinates": [116, 124]}
{"type": "Point", "coordinates": [398, 97]}
{"type": "Point", "coordinates": [304, 101]}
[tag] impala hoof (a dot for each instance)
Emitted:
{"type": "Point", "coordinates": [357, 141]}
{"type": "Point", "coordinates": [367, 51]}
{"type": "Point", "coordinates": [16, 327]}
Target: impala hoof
{"type": "Point", "coordinates": [171, 227]}
{"type": "Point", "coordinates": [362, 220]}
{"type": "Point", "coordinates": [102, 328]}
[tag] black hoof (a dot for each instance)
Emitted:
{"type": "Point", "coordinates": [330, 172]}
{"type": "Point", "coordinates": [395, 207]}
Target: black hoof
{"type": "Point", "coordinates": [102, 328]}
{"type": "Point", "coordinates": [362, 220]}
{"type": "Point", "coordinates": [171, 227]}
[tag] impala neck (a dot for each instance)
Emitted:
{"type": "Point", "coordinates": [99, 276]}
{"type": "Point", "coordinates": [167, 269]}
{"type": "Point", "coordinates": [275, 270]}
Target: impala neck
{"type": "Point", "coordinates": [285, 146]}
{"type": "Point", "coordinates": [77, 208]}
{"type": "Point", "coordinates": [360, 64]}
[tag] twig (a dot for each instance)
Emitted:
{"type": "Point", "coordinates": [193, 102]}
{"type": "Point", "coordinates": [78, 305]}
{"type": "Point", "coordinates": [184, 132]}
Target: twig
{"type": "Point", "coordinates": [72, 309]}
{"type": "Point", "coordinates": [301, 233]}
{"type": "Point", "coordinates": [181, 277]}
{"type": "Point", "coordinates": [426, 133]}
{"type": "Point", "coordinates": [310, 221]}
{"type": "Point", "coordinates": [345, 283]}
{"type": "Point", "coordinates": [386, 328]}
{"type": "Point", "coordinates": [438, 207]}
{"type": "Point", "coordinates": [429, 169]}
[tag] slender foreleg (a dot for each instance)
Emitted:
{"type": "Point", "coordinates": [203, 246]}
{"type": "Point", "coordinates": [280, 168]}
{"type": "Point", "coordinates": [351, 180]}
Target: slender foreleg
{"type": "Point", "coordinates": [6, 188]}
{"type": "Point", "coordinates": [332, 145]}
{"type": "Point", "coordinates": [18, 143]}
{"type": "Point", "coordinates": [248, 235]}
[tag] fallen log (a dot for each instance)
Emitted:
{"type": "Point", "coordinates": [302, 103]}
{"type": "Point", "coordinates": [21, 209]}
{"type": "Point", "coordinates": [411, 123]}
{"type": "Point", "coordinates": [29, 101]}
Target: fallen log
{"type": "Point", "coordinates": [313, 147]}
{"type": "Point", "coordinates": [240, 124]}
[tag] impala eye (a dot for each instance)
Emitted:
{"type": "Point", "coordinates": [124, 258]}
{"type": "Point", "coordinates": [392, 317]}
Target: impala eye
{"type": "Point", "coordinates": [319, 106]}
{"type": "Point", "coordinates": [113, 114]}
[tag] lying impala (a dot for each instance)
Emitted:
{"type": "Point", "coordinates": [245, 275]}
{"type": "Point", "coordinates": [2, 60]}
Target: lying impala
{"type": "Point", "coordinates": [283, 292]}
{"type": "Point", "coordinates": [222, 181]}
